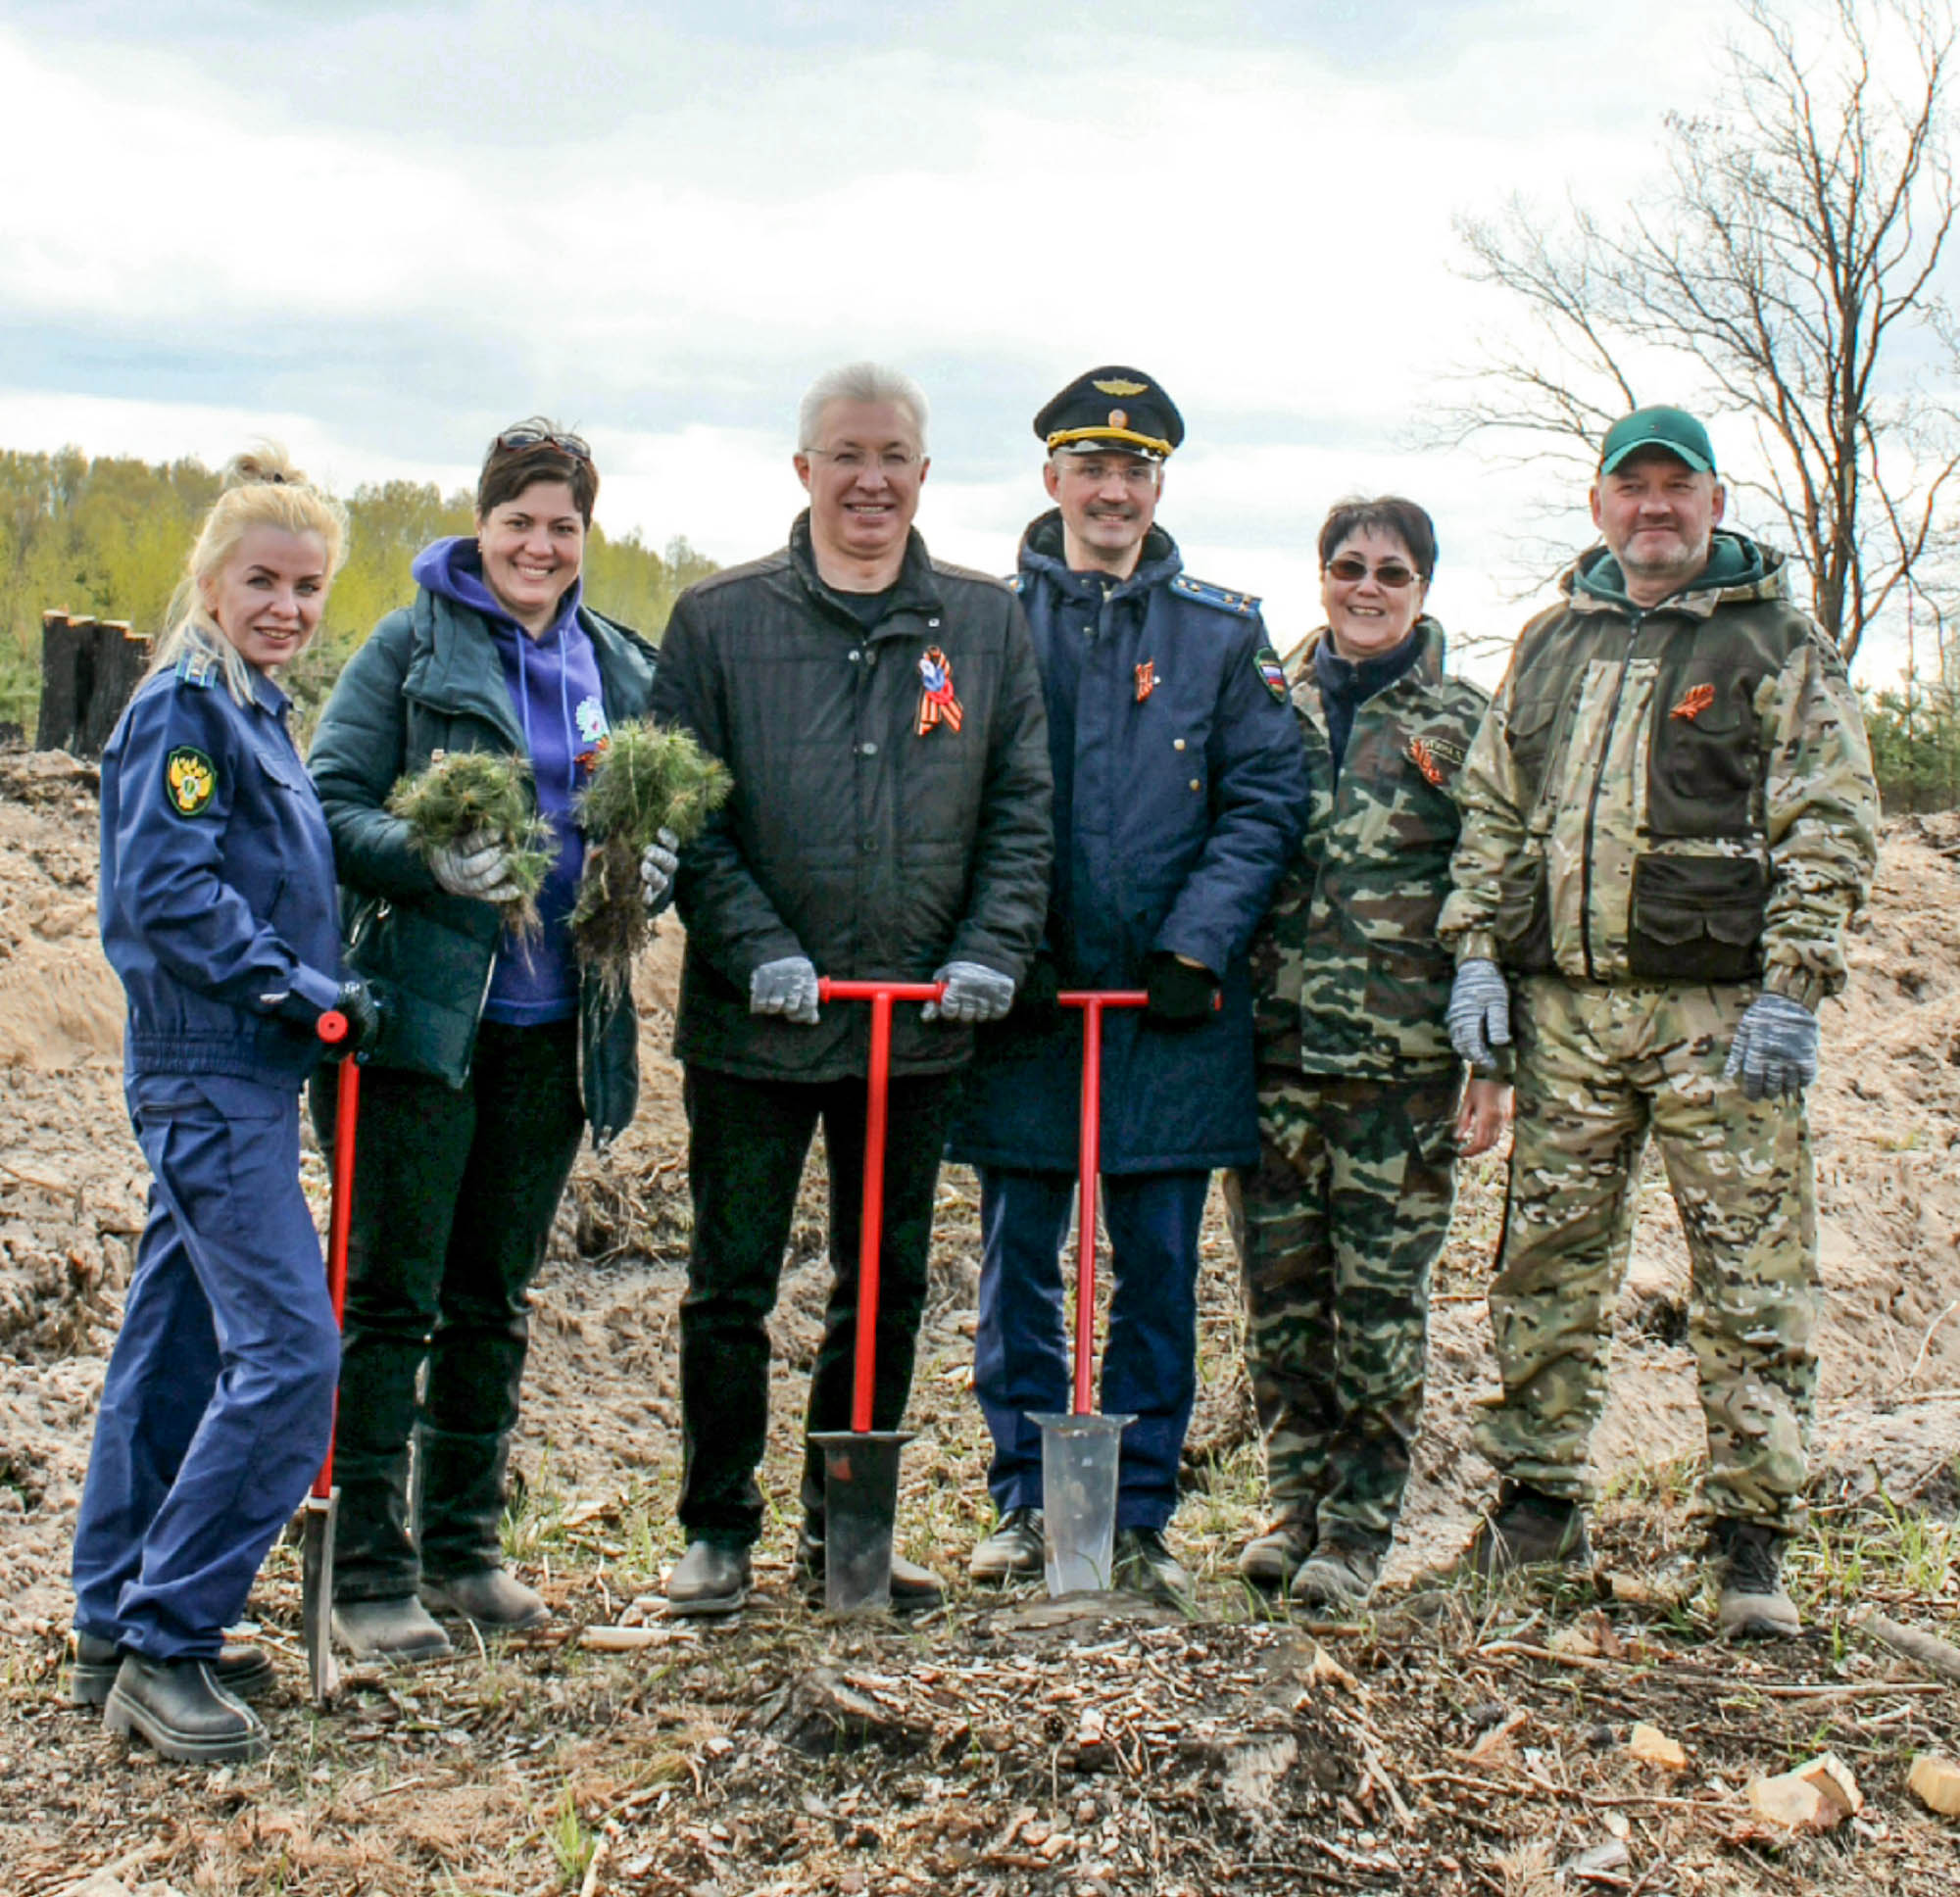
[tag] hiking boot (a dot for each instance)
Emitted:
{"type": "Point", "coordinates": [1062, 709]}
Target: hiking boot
{"type": "Point", "coordinates": [1145, 1564]}
{"type": "Point", "coordinates": [1753, 1603]}
{"type": "Point", "coordinates": [1338, 1575]}
{"type": "Point", "coordinates": [914, 1590]}
{"type": "Point", "coordinates": [179, 1708]}
{"type": "Point", "coordinates": [398, 1629]}
{"type": "Point", "coordinates": [1270, 1560]}
{"type": "Point", "coordinates": [1012, 1552]}
{"type": "Point", "coordinates": [1528, 1529]}
{"type": "Point", "coordinates": [488, 1598]}
{"type": "Point", "coordinates": [708, 1578]}
{"type": "Point", "coordinates": [245, 1671]}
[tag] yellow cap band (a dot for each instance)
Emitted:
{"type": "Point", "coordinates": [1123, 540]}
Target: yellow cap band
{"type": "Point", "coordinates": [1062, 437]}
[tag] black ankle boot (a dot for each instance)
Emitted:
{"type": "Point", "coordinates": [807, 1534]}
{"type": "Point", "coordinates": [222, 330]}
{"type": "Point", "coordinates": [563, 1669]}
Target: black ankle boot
{"type": "Point", "coordinates": [178, 1707]}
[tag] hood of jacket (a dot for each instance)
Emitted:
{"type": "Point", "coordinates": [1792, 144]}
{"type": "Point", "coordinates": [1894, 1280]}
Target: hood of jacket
{"type": "Point", "coordinates": [1740, 572]}
{"type": "Point", "coordinates": [452, 568]}
{"type": "Point", "coordinates": [1044, 551]}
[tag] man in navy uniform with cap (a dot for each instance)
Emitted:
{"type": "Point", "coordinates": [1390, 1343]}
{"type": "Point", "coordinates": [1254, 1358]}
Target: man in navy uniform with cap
{"type": "Point", "coordinates": [1180, 795]}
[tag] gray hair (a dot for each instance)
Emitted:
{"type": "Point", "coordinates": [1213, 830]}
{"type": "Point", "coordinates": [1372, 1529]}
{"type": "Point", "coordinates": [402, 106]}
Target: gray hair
{"type": "Point", "coordinates": [860, 382]}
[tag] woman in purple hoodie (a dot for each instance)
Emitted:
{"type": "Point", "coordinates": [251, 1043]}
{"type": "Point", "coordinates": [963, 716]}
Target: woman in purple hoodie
{"type": "Point", "coordinates": [494, 1055]}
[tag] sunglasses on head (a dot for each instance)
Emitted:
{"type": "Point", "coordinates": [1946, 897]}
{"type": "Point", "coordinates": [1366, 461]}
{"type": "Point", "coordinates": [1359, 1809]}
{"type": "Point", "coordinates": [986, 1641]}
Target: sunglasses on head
{"type": "Point", "coordinates": [1350, 569]}
{"type": "Point", "coordinates": [527, 434]}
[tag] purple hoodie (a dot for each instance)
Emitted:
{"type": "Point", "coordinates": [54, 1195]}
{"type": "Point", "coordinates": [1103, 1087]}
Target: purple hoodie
{"type": "Point", "coordinates": [560, 706]}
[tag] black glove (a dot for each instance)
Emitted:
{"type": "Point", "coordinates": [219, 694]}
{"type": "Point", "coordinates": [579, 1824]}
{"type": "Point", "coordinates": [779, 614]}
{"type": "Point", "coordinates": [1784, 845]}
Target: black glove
{"type": "Point", "coordinates": [355, 1001]}
{"type": "Point", "coordinates": [1036, 1009]}
{"type": "Point", "coordinates": [1182, 997]}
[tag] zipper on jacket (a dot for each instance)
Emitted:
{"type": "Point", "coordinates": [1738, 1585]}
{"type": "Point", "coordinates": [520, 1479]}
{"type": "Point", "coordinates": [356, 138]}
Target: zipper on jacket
{"type": "Point", "coordinates": [1592, 802]}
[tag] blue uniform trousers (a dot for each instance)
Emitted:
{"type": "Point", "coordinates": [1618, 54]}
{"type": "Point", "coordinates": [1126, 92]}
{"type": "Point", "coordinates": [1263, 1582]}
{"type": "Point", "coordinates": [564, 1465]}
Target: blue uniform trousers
{"type": "Point", "coordinates": [219, 1397]}
{"type": "Point", "coordinates": [1021, 1359]}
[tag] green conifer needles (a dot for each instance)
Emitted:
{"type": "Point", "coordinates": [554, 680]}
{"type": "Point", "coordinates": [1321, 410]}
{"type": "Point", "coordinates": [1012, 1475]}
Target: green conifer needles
{"type": "Point", "coordinates": [647, 779]}
{"type": "Point", "coordinates": [466, 792]}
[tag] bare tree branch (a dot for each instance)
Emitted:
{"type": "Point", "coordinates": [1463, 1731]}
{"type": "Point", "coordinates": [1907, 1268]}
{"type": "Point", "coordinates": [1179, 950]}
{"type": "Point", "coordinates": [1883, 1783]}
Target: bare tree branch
{"type": "Point", "coordinates": [1784, 273]}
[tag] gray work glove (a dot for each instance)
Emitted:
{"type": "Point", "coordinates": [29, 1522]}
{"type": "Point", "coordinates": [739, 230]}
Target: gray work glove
{"type": "Point", "coordinates": [787, 987]}
{"type": "Point", "coordinates": [1776, 1049]}
{"type": "Point", "coordinates": [1480, 1012]}
{"type": "Point", "coordinates": [474, 866]}
{"type": "Point", "coordinates": [657, 864]}
{"type": "Point", "coordinates": [973, 994]}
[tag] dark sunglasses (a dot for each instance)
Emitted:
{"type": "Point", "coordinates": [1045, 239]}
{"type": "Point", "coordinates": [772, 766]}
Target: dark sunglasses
{"type": "Point", "coordinates": [1350, 569]}
{"type": "Point", "coordinates": [529, 434]}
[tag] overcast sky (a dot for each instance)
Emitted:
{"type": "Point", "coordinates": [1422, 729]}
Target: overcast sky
{"type": "Point", "coordinates": [382, 231]}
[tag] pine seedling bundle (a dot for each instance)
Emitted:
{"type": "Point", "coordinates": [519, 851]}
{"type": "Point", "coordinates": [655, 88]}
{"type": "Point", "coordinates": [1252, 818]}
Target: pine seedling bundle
{"type": "Point", "coordinates": [467, 793]}
{"type": "Point", "coordinates": [645, 780]}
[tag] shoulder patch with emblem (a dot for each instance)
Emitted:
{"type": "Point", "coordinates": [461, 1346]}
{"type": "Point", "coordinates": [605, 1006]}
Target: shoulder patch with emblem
{"type": "Point", "coordinates": [197, 668]}
{"type": "Point", "coordinates": [190, 780]}
{"type": "Point", "coordinates": [1244, 605]}
{"type": "Point", "coordinates": [1272, 673]}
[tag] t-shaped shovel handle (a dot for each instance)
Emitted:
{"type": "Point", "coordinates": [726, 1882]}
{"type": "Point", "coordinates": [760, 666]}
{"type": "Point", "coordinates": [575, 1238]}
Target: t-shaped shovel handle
{"type": "Point", "coordinates": [871, 1222]}
{"type": "Point", "coordinates": [1092, 1001]}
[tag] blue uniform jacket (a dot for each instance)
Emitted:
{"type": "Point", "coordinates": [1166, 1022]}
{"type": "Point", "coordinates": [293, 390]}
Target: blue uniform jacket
{"type": "Point", "coordinates": [217, 904]}
{"type": "Point", "coordinates": [1180, 795]}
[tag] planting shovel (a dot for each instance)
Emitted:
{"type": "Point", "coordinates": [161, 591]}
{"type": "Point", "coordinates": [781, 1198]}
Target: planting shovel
{"type": "Point", "coordinates": [860, 1465]}
{"type": "Point", "coordinates": [1080, 1451]}
{"type": "Point", "coordinates": [322, 1502]}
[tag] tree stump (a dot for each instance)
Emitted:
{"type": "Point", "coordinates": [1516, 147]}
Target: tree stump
{"type": "Point", "coordinates": [89, 668]}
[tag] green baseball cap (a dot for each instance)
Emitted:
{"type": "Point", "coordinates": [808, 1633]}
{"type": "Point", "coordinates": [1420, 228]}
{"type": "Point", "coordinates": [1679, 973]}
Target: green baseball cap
{"type": "Point", "coordinates": [1674, 429]}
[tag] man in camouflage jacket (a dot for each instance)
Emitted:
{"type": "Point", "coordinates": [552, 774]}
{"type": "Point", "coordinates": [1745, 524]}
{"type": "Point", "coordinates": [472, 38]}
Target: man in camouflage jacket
{"type": "Point", "coordinates": [1671, 817]}
{"type": "Point", "coordinates": [1361, 1097]}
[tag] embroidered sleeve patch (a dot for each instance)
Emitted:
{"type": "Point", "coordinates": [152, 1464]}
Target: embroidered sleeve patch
{"type": "Point", "coordinates": [1424, 760]}
{"type": "Point", "coordinates": [1272, 674]}
{"type": "Point", "coordinates": [190, 780]}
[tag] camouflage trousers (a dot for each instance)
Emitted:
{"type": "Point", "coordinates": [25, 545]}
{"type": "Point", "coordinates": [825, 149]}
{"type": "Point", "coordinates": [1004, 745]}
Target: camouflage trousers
{"type": "Point", "coordinates": [1598, 1070]}
{"type": "Point", "coordinates": [1338, 1228]}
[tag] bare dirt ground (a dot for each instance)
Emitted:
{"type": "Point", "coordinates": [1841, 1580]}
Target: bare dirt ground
{"type": "Point", "coordinates": [1448, 1743]}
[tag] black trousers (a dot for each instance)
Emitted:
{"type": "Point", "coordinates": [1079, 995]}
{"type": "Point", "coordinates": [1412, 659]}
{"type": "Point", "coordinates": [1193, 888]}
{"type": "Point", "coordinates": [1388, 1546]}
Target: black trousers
{"type": "Point", "coordinates": [454, 1196]}
{"type": "Point", "coordinates": [747, 1145]}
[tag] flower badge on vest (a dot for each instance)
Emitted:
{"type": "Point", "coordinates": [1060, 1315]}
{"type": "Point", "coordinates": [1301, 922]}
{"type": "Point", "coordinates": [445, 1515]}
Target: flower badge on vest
{"type": "Point", "coordinates": [1147, 679]}
{"type": "Point", "coordinates": [1694, 701]}
{"type": "Point", "coordinates": [937, 704]}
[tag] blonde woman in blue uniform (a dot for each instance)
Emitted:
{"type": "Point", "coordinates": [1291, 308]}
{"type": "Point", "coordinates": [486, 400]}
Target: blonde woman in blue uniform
{"type": "Point", "coordinates": [219, 912]}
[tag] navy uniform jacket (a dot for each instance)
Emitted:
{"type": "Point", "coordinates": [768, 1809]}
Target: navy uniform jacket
{"type": "Point", "coordinates": [1180, 795]}
{"type": "Point", "coordinates": [217, 904]}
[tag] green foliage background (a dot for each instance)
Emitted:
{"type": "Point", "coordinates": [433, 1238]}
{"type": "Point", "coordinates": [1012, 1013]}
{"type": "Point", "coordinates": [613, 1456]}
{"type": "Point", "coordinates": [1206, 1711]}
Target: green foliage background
{"type": "Point", "coordinates": [107, 537]}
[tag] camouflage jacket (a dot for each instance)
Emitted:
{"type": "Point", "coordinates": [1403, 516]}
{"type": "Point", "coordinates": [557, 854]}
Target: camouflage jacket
{"type": "Point", "coordinates": [1347, 974]}
{"type": "Point", "coordinates": [1681, 794]}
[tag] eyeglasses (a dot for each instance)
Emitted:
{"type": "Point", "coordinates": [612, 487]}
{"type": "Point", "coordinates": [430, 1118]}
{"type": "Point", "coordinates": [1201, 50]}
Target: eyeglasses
{"type": "Point", "coordinates": [853, 461]}
{"type": "Point", "coordinates": [1128, 470]}
{"type": "Point", "coordinates": [1350, 569]}
{"type": "Point", "coordinates": [529, 434]}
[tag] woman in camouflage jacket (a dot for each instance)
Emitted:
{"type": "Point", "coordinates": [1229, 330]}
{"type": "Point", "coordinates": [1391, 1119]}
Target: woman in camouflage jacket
{"type": "Point", "coordinates": [1363, 1109]}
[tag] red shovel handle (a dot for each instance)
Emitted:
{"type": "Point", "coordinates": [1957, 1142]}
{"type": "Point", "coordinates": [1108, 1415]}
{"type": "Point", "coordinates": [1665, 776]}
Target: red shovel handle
{"type": "Point", "coordinates": [871, 1220]}
{"type": "Point", "coordinates": [1092, 1001]}
{"type": "Point", "coordinates": [332, 1027]}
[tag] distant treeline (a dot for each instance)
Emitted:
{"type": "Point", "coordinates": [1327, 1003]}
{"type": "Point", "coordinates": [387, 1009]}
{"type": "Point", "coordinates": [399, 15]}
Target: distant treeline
{"type": "Point", "coordinates": [107, 537]}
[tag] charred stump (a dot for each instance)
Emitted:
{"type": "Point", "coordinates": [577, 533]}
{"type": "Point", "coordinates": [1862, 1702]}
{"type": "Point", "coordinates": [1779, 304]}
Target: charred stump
{"type": "Point", "coordinates": [89, 668]}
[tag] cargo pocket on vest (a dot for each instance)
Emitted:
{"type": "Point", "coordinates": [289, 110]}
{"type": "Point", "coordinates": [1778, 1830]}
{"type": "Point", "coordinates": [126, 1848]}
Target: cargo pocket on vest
{"type": "Point", "coordinates": [1703, 776]}
{"type": "Point", "coordinates": [1697, 918]}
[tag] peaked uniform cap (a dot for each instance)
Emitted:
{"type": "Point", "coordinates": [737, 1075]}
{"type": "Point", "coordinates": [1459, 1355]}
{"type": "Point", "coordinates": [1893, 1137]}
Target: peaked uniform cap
{"type": "Point", "coordinates": [1112, 407]}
